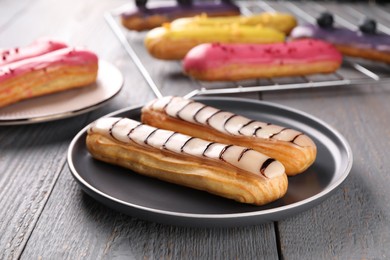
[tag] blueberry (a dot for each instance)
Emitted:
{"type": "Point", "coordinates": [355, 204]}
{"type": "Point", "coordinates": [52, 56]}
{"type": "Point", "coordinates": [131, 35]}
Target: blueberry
{"type": "Point", "coordinates": [368, 26]}
{"type": "Point", "coordinates": [140, 3]}
{"type": "Point", "coordinates": [184, 2]}
{"type": "Point", "coordinates": [325, 20]}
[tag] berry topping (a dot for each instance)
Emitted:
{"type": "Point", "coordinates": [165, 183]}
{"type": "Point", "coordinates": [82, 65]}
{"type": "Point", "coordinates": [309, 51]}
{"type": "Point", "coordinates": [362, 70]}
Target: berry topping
{"type": "Point", "coordinates": [368, 26]}
{"type": "Point", "coordinates": [140, 3]}
{"type": "Point", "coordinates": [184, 2]}
{"type": "Point", "coordinates": [325, 20]}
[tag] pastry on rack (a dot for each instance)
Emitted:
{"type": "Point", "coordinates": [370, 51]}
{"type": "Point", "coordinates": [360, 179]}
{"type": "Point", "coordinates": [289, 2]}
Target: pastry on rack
{"type": "Point", "coordinates": [295, 150]}
{"type": "Point", "coordinates": [173, 43]}
{"type": "Point", "coordinates": [37, 48]}
{"type": "Point", "coordinates": [233, 62]}
{"type": "Point", "coordinates": [56, 71]}
{"type": "Point", "coordinates": [146, 18]}
{"type": "Point", "coordinates": [283, 22]}
{"type": "Point", "coordinates": [229, 171]}
{"type": "Point", "coordinates": [364, 43]}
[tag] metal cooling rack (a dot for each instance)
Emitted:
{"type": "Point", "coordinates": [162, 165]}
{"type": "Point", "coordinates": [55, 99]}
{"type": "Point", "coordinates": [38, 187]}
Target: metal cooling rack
{"type": "Point", "coordinates": [352, 72]}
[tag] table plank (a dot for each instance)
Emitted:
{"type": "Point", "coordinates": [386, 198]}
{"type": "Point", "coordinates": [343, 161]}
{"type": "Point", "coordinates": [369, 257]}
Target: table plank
{"type": "Point", "coordinates": [82, 228]}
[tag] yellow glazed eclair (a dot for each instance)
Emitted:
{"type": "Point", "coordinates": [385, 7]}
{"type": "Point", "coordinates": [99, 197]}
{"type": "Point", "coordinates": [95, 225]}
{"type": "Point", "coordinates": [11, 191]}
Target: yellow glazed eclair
{"type": "Point", "coordinates": [279, 21]}
{"type": "Point", "coordinates": [295, 150]}
{"type": "Point", "coordinates": [230, 171]}
{"type": "Point", "coordinates": [173, 42]}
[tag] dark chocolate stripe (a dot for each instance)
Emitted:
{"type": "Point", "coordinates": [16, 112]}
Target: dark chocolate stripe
{"type": "Point", "coordinates": [132, 130]}
{"type": "Point", "coordinates": [243, 152]}
{"type": "Point", "coordinates": [208, 119]}
{"type": "Point", "coordinates": [166, 141]}
{"type": "Point", "coordinates": [185, 143]}
{"type": "Point", "coordinates": [227, 120]}
{"type": "Point", "coordinates": [167, 104]}
{"type": "Point", "coordinates": [245, 125]}
{"type": "Point", "coordinates": [181, 109]}
{"type": "Point", "coordinates": [223, 151]}
{"type": "Point", "coordinates": [197, 112]}
{"type": "Point", "coordinates": [152, 133]}
{"type": "Point", "coordinates": [295, 137]}
{"type": "Point", "coordinates": [275, 134]}
{"type": "Point", "coordinates": [207, 147]}
{"type": "Point", "coordinates": [265, 164]}
{"type": "Point", "coordinates": [112, 127]}
{"type": "Point", "coordinates": [257, 129]}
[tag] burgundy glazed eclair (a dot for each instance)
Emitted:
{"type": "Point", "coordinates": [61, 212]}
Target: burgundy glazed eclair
{"type": "Point", "coordinates": [295, 150]}
{"type": "Point", "coordinates": [145, 18]}
{"type": "Point", "coordinates": [230, 171]}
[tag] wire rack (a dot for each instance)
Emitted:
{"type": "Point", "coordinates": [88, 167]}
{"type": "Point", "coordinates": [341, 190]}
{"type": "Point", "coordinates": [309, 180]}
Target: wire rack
{"type": "Point", "coordinates": [352, 72]}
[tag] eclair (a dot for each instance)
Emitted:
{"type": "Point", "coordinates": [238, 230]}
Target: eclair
{"type": "Point", "coordinates": [294, 149]}
{"type": "Point", "coordinates": [59, 70]}
{"type": "Point", "coordinates": [229, 171]}
{"type": "Point", "coordinates": [173, 43]}
{"type": "Point", "coordinates": [366, 43]}
{"type": "Point", "coordinates": [233, 62]}
{"type": "Point", "coordinates": [145, 18]}
{"type": "Point", "coordinates": [282, 22]}
{"type": "Point", "coordinates": [37, 48]}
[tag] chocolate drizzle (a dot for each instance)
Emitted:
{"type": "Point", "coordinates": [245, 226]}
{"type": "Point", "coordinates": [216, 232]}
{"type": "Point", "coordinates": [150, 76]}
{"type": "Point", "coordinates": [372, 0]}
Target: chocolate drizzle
{"type": "Point", "coordinates": [152, 133]}
{"type": "Point", "coordinates": [260, 129]}
{"type": "Point", "coordinates": [111, 128]}
{"type": "Point", "coordinates": [265, 164]}
{"type": "Point", "coordinates": [185, 143]}
{"type": "Point", "coordinates": [227, 120]}
{"type": "Point", "coordinates": [207, 147]}
{"type": "Point", "coordinates": [223, 151]}
{"type": "Point", "coordinates": [125, 131]}
{"type": "Point", "coordinates": [210, 117]}
{"type": "Point", "coordinates": [197, 112]}
{"type": "Point", "coordinates": [164, 146]}
{"type": "Point", "coordinates": [132, 130]}
{"type": "Point", "coordinates": [275, 134]}
{"type": "Point", "coordinates": [181, 109]}
{"type": "Point", "coordinates": [243, 152]}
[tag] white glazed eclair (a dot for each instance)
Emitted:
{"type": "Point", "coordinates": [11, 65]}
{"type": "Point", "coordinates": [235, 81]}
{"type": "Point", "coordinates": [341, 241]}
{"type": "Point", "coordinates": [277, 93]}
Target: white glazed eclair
{"type": "Point", "coordinates": [295, 150]}
{"type": "Point", "coordinates": [229, 171]}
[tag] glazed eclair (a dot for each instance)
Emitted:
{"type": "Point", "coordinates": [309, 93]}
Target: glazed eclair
{"type": "Point", "coordinates": [295, 150]}
{"type": "Point", "coordinates": [230, 171]}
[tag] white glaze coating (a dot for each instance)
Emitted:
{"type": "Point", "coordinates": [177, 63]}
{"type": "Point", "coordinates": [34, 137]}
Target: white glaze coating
{"type": "Point", "coordinates": [226, 122]}
{"type": "Point", "coordinates": [127, 131]}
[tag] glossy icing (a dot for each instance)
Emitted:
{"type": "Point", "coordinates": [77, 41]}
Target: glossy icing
{"type": "Point", "coordinates": [39, 47]}
{"type": "Point", "coordinates": [306, 51]}
{"type": "Point", "coordinates": [174, 11]}
{"type": "Point", "coordinates": [343, 36]}
{"type": "Point", "coordinates": [65, 56]}
{"type": "Point", "coordinates": [226, 122]}
{"type": "Point", "coordinates": [229, 33]}
{"type": "Point", "coordinates": [127, 130]}
{"type": "Point", "coordinates": [280, 21]}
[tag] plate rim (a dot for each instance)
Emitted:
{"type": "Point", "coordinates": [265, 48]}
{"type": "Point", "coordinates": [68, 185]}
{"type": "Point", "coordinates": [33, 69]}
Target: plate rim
{"type": "Point", "coordinates": [67, 114]}
{"type": "Point", "coordinates": [323, 194]}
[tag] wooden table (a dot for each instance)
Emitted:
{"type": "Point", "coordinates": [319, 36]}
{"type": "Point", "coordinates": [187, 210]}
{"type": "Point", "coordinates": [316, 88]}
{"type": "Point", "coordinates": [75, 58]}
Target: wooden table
{"type": "Point", "coordinates": [45, 214]}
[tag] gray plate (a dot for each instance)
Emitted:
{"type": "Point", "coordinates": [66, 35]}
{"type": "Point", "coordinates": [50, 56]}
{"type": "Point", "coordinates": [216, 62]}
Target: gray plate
{"type": "Point", "coordinates": [163, 202]}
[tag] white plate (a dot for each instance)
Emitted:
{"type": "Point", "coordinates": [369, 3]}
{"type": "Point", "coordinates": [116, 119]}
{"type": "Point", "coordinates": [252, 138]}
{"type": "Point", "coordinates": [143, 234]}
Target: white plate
{"type": "Point", "coordinates": [67, 103]}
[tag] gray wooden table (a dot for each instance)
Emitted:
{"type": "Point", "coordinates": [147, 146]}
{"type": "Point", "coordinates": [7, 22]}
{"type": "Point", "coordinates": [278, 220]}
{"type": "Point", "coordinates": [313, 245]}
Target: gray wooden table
{"type": "Point", "coordinates": [44, 214]}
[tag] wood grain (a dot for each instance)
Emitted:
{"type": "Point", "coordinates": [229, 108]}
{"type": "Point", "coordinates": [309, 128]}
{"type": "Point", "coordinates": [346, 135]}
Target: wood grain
{"type": "Point", "coordinates": [45, 215]}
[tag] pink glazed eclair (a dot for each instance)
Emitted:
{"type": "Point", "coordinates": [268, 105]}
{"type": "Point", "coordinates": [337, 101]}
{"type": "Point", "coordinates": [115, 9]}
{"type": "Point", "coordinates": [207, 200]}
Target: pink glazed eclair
{"type": "Point", "coordinates": [37, 48]}
{"type": "Point", "coordinates": [59, 70]}
{"type": "Point", "coordinates": [232, 62]}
